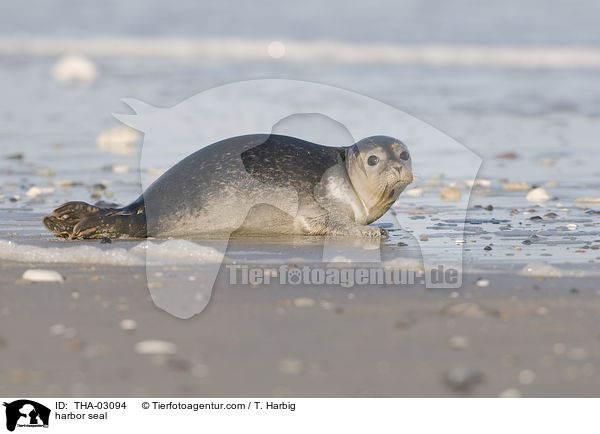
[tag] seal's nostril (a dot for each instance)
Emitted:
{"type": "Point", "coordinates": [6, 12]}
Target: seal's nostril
{"type": "Point", "coordinates": [399, 170]}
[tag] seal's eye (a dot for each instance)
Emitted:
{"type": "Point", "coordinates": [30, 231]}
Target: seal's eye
{"type": "Point", "coordinates": [373, 160]}
{"type": "Point", "coordinates": [404, 155]}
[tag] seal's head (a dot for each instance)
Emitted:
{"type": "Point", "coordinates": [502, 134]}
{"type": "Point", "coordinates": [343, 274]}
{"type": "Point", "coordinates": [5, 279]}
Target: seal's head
{"type": "Point", "coordinates": [379, 168]}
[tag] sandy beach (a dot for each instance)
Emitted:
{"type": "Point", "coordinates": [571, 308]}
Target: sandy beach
{"type": "Point", "coordinates": [519, 336]}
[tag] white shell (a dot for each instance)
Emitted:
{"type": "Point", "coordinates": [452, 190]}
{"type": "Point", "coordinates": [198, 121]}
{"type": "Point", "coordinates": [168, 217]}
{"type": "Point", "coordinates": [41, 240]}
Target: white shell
{"type": "Point", "coordinates": [538, 195]}
{"type": "Point", "coordinates": [37, 275]}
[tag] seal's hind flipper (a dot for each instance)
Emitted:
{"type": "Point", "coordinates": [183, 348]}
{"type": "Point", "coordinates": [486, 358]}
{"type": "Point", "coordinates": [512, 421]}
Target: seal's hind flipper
{"type": "Point", "coordinates": [65, 217]}
{"type": "Point", "coordinates": [111, 226]}
{"type": "Point", "coordinates": [77, 220]}
{"type": "Point", "coordinates": [77, 210]}
{"type": "Point", "coordinates": [60, 228]}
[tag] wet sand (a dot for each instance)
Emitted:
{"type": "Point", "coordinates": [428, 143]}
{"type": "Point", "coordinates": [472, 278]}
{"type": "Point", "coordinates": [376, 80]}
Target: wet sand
{"type": "Point", "coordinates": [519, 336]}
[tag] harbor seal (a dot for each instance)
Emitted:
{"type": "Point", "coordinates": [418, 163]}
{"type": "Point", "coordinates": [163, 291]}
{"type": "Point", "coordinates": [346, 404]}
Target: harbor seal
{"type": "Point", "coordinates": [256, 184]}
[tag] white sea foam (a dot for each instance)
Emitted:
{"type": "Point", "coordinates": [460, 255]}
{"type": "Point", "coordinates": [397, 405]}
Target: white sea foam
{"type": "Point", "coordinates": [543, 269]}
{"type": "Point", "coordinates": [172, 251]}
{"type": "Point", "coordinates": [12, 251]}
{"type": "Point", "coordinates": [311, 51]}
{"type": "Point", "coordinates": [177, 251]}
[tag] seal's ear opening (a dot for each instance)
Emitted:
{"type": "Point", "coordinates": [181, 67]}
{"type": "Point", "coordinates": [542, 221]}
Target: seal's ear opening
{"type": "Point", "coordinates": [352, 156]}
{"type": "Point", "coordinates": [349, 151]}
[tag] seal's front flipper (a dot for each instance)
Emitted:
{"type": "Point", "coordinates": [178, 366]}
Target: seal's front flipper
{"type": "Point", "coordinates": [336, 226]}
{"type": "Point", "coordinates": [78, 220]}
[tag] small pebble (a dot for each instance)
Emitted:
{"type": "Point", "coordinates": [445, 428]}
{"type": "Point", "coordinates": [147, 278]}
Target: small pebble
{"type": "Point", "coordinates": [465, 310]}
{"type": "Point", "coordinates": [482, 283]}
{"type": "Point", "coordinates": [128, 324]}
{"type": "Point", "coordinates": [516, 186]}
{"type": "Point", "coordinates": [487, 248]}
{"type": "Point", "coordinates": [577, 353]}
{"type": "Point", "coordinates": [291, 366]}
{"type": "Point", "coordinates": [591, 200]}
{"type": "Point", "coordinates": [538, 195]}
{"type": "Point", "coordinates": [304, 302]}
{"type": "Point", "coordinates": [105, 240]}
{"type": "Point", "coordinates": [66, 183]}
{"type": "Point", "coordinates": [479, 183]}
{"type": "Point", "coordinates": [36, 191]}
{"type": "Point", "coordinates": [463, 378]}
{"type": "Point", "coordinates": [510, 393]}
{"type": "Point", "coordinates": [414, 192]}
{"type": "Point", "coordinates": [155, 347]}
{"type": "Point", "coordinates": [45, 172]}
{"type": "Point", "coordinates": [526, 377]}
{"type": "Point", "coordinates": [451, 194]}
{"type": "Point", "coordinates": [434, 180]}
{"type": "Point", "coordinates": [458, 342]}
{"type": "Point", "coordinates": [57, 329]}
{"type": "Point", "coordinates": [559, 348]}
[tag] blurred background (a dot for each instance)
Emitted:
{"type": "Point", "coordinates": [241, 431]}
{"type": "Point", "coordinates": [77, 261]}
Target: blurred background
{"type": "Point", "coordinates": [498, 76]}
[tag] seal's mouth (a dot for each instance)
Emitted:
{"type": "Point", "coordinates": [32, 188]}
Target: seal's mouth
{"type": "Point", "coordinates": [399, 175]}
{"type": "Point", "coordinates": [393, 183]}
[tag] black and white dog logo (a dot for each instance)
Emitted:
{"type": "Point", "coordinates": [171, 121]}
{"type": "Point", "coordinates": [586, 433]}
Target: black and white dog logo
{"type": "Point", "coordinates": [26, 413]}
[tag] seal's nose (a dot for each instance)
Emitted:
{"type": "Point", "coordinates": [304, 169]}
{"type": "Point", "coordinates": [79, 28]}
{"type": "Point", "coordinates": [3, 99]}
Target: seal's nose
{"type": "Point", "coordinates": [398, 169]}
